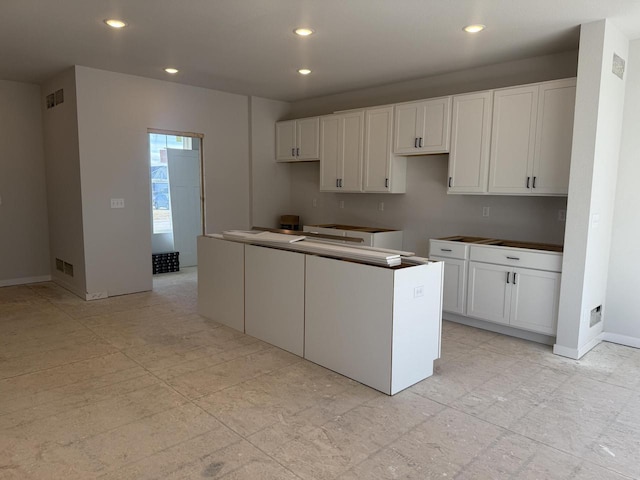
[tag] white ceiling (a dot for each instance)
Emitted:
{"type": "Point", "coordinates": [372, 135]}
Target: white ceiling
{"type": "Point", "coordinates": [247, 46]}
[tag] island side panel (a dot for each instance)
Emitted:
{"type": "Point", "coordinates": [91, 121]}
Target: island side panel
{"type": "Point", "coordinates": [274, 292]}
{"type": "Point", "coordinates": [221, 281]}
{"type": "Point", "coordinates": [417, 323]}
{"type": "Point", "coordinates": [348, 309]}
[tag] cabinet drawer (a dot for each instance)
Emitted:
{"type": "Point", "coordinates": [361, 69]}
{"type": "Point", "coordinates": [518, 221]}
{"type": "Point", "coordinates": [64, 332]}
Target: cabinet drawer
{"type": "Point", "coordinates": [516, 257]}
{"type": "Point", "coordinates": [442, 248]}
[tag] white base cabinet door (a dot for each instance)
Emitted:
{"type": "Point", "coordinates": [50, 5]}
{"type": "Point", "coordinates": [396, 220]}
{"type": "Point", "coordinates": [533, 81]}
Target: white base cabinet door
{"type": "Point", "coordinates": [489, 295]}
{"type": "Point", "coordinates": [274, 297]}
{"type": "Point", "coordinates": [221, 281]}
{"type": "Point", "coordinates": [454, 285]}
{"type": "Point", "coordinates": [535, 300]}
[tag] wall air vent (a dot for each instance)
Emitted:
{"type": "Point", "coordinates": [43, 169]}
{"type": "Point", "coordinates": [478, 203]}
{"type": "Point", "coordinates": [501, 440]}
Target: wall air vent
{"type": "Point", "coordinates": [618, 66]}
{"type": "Point", "coordinates": [51, 100]}
{"type": "Point", "coordinates": [59, 265]}
{"type": "Point", "coordinates": [68, 269]}
{"type": "Point", "coordinates": [596, 316]}
{"type": "Point", "coordinates": [59, 96]}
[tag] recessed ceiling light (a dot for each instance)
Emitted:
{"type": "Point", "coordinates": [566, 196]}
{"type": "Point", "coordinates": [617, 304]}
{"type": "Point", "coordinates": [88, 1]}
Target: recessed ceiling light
{"type": "Point", "coordinates": [171, 70]}
{"type": "Point", "coordinates": [474, 28]}
{"type": "Point", "coordinates": [303, 31]}
{"type": "Point", "coordinates": [115, 23]}
{"type": "Point", "coordinates": [304, 71]}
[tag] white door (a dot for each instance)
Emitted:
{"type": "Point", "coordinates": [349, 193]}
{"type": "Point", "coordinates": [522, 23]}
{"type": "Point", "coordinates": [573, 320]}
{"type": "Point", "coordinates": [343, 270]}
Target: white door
{"type": "Point", "coordinates": [377, 149]}
{"type": "Point", "coordinates": [286, 141]}
{"type": "Point", "coordinates": [470, 140]}
{"type": "Point", "coordinates": [513, 139]}
{"type": "Point", "coordinates": [489, 295]}
{"type": "Point", "coordinates": [535, 300]}
{"type": "Point", "coordinates": [307, 139]}
{"type": "Point", "coordinates": [556, 105]}
{"type": "Point", "coordinates": [329, 153]}
{"type": "Point", "coordinates": [455, 279]}
{"type": "Point", "coordinates": [186, 214]}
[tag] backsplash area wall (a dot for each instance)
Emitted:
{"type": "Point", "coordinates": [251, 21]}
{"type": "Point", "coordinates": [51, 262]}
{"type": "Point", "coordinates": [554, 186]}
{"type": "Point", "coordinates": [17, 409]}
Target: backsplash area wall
{"type": "Point", "coordinates": [426, 210]}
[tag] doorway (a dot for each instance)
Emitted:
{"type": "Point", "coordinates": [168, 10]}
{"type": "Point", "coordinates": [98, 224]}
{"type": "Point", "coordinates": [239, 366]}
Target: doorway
{"type": "Point", "coordinates": [177, 200]}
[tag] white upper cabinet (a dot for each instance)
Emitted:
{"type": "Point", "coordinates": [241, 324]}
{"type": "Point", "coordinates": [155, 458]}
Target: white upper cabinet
{"type": "Point", "coordinates": [554, 135]}
{"type": "Point", "coordinates": [341, 147]}
{"type": "Point", "coordinates": [383, 172]}
{"type": "Point", "coordinates": [513, 139]}
{"type": "Point", "coordinates": [422, 127]}
{"type": "Point", "coordinates": [531, 139]}
{"type": "Point", "coordinates": [298, 140]}
{"type": "Point", "coordinates": [470, 143]}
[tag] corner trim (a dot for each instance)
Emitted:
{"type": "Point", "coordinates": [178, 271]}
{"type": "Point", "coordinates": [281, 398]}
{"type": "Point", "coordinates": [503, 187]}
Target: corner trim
{"type": "Point", "coordinates": [621, 339]}
{"type": "Point", "coordinates": [576, 353]}
{"type": "Point", "coordinates": [24, 281]}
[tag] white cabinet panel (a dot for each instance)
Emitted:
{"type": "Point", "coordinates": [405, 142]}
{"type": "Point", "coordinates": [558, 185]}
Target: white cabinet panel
{"type": "Point", "coordinates": [383, 172]}
{"type": "Point", "coordinates": [513, 139]}
{"type": "Point", "coordinates": [422, 127]}
{"type": "Point", "coordinates": [221, 281]}
{"type": "Point", "coordinates": [454, 294]}
{"type": "Point", "coordinates": [274, 310]}
{"type": "Point", "coordinates": [470, 143]}
{"type": "Point", "coordinates": [556, 106]}
{"type": "Point", "coordinates": [534, 300]}
{"type": "Point", "coordinates": [341, 152]}
{"type": "Point", "coordinates": [298, 140]}
{"type": "Point", "coordinates": [489, 295]}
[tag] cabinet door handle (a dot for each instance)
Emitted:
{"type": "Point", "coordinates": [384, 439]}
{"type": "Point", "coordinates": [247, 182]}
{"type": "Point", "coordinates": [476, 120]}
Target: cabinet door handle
{"type": "Point", "coordinates": [446, 250]}
{"type": "Point", "coordinates": [534, 182]}
{"type": "Point", "coordinates": [450, 181]}
{"type": "Point", "coordinates": [337, 184]}
{"type": "Point", "coordinates": [514, 278]}
{"type": "Point", "coordinates": [508, 274]}
{"type": "Point", "coordinates": [420, 142]}
{"type": "Point", "coordinates": [415, 142]}
{"type": "Point", "coordinates": [340, 183]}
{"type": "Point", "coordinates": [293, 152]}
{"type": "Point", "coordinates": [297, 152]}
{"type": "Point", "coordinates": [386, 183]}
{"type": "Point", "coordinates": [513, 258]}
{"type": "Point", "coordinates": [528, 180]}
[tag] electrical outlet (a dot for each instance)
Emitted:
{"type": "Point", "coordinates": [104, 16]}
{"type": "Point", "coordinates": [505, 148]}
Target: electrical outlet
{"type": "Point", "coordinates": [314, 202]}
{"type": "Point", "coordinates": [117, 203]}
{"type": "Point", "coordinates": [341, 204]}
{"type": "Point", "coordinates": [485, 211]}
{"type": "Point", "coordinates": [562, 215]}
{"type": "Point", "coordinates": [381, 206]}
{"type": "Point", "coordinates": [418, 291]}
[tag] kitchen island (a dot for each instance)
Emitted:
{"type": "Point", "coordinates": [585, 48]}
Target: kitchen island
{"type": "Point", "coordinates": [376, 324]}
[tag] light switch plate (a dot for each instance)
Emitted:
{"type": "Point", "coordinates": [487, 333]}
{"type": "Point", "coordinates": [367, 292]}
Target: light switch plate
{"type": "Point", "coordinates": [117, 203]}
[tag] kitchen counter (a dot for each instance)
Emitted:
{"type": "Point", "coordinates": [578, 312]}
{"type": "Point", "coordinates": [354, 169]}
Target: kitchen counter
{"type": "Point", "coordinates": [548, 247]}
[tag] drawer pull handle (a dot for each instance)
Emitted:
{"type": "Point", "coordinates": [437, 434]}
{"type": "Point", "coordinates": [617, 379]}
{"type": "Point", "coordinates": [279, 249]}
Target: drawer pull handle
{"type": "Point", "coordinates": [446, 250]}
{"type": "Point", "coordinates": [513, 258]}
{"type": "Point", "coordinates": [508, 274]}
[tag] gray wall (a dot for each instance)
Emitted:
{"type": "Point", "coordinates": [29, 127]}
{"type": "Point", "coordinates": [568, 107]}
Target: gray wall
{"type": "Point", "coordinates": [270, 181]}
{"type": "Point", "coordinates": [24, 241]}
{"type": "Point", "coordinates": [426, 211]}
{"type": "Point", "coordinates": [114, 113]}
{"type": "Point", "coordinates": [64, 197]}
{"type": "Point", "coordinates": [623, 302]}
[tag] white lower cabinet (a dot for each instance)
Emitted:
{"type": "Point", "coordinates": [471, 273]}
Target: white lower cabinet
{"type": "Point", "coordinates": [454, 284]}
{"type": "Point", "coordinates": [372, 324]}
{"type": "Point", "coordinates": [519, 297]}
{"type": "Point", "coordinates": [274, 310]}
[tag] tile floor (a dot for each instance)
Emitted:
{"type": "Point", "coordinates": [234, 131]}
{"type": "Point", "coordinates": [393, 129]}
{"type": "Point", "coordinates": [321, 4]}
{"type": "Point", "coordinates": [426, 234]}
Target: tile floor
{"type": "Point", "coordinates": [141, 387]}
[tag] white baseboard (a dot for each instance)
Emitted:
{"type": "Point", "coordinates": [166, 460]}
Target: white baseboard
{"type": "Point", "coordinates": [25, 280]}
{"type": "Point", "coordinates": [621, 339]}
{"type": "Point", "coordinates": [499, 328]}
{"type": "Point", "coordinates": [576, 353]}
{"type": "Point", "coordinates": [70, 287]}
{"type": "Point", "coordinates": [96, 296]}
